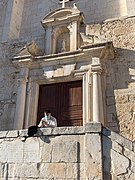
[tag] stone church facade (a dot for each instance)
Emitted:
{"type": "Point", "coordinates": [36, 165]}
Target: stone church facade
{"type": "Point", "coordinates": [75, 58]}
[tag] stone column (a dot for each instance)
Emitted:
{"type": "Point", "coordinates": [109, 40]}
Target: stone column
{"type": "Point", "coordinates": [96, 72]}
{"type": "Point", "coordinates": [21, 98]}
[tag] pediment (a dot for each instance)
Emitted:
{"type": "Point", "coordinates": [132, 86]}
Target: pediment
{"type": "Point", "coordinates": [62, 14]}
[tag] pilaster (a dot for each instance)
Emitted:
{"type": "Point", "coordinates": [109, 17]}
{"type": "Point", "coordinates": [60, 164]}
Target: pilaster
{"type": "Point", "coordinates": [21, 98]}
{"type": "Point", "coordinates": [73, 36]}
{"type": "Point", "coordinates": [48, 40]}
{"type": "Point", "coordinates": [31, 103]}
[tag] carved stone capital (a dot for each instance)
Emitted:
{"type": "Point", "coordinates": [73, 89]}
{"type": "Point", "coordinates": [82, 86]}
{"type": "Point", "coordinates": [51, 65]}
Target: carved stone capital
{"type": "Point", "coordinates": [96, 69]}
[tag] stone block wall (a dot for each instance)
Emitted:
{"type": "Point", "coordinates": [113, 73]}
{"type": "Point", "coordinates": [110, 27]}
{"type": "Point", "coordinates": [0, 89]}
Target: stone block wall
{"type": "Point", "coordinates": [118, 156]}
{"type": "Point", "coordinates": [60, 153]}
{"type": "Point", "coordinates": [75, 153]}
{"type": "Point", "coordinates": [119, 73]}
{"type": "Point", "coordinates": [8, 83]}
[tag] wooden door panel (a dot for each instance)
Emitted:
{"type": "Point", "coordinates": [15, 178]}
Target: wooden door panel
{"type": "Point", "coordinates": [64, 100]}
{"type": "Point", "coordinates": [72, 116]}
{"type": "Point", "coordinates": [47, 100]}
{"type": "Point", "coordinates": [71, 107]}
{"type": "Point", "coordinates": [72, 94]}
{"type": "Point", "coordinates": [72, 112]}
{"type": "Point", "coordinates": [48, 96]}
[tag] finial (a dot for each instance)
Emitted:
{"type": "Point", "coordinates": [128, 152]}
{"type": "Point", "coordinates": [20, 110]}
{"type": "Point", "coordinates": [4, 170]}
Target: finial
{"type": "Point", "coordinates": [63, 2]}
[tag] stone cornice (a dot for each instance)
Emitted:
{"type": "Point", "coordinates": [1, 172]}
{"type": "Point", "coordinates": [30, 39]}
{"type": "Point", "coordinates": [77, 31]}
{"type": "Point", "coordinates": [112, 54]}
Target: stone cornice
{"type": "Point", "coordinates": [85, 53]}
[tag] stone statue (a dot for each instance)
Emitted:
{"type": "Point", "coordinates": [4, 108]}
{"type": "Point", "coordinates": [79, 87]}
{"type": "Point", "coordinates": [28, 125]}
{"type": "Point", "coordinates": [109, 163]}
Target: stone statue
{"type": "Point", "coordinates": [63, 46]}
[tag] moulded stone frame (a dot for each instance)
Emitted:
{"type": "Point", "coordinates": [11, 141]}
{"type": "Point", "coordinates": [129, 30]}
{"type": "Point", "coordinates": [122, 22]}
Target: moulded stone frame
{"type": "Point", "coordinates": [32, 101]}
{"type": "Point", "coordinates": [83, 57]}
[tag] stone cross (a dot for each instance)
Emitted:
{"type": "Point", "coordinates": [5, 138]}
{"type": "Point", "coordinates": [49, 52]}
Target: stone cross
{"type": "Point", "coordinates": [63, 2]}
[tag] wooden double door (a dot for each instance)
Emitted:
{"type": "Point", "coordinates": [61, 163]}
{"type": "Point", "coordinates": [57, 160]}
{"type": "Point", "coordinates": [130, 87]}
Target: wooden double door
{"type": "Point", "coordinates": [64, 100]}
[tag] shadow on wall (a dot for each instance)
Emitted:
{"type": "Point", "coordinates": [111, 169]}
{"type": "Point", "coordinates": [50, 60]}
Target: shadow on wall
{"type": "Point", "coordinates": [120, 91]}
{"type": "Point", "coordinates": [106, 150]}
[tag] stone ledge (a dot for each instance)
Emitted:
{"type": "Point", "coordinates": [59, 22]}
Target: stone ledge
{"type": "Point", "coordinates": [93, 128]}
{"type": "Point", "coordinates": [3, 134]}
{"type": "Point", "coordinates": [118, 138]}
{"type": "Point", "coordinates": [12, 134]}
{"type": "Point", "coordinates": [9, 134]}
{"type": "Point", "coordinates": [88, 128]}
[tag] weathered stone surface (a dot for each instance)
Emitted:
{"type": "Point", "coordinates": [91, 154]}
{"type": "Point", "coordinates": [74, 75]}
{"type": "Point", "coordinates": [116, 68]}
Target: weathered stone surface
{"type": "Point", "coordinates": [44, 131]}
{"type": "Point", "coordinates": [93, 156]}
{"type": "Point", "coordinates": [9, 169]}
{"type": "Point", "coordinates": [53, 170]}
{"type": "Point", "coordinates": [3, 152]}
{"type": "Point", "coordinates": [31, 151]}
{"type": "Point", "coordinates": [106, 147]}
{"type": "Point", "coordinates": [61, 130]}
{"type": "Point", "coordinates": [129, 154]}
{"type": "Point", "coordinates": [11, 151]}
{"type": "Point", "coordinates": [12, 134]}
{"type": "Point", "coordinates": [93, 127]}
{"type": "Point", "coordinates": [3, 134]}
{"type": "Point", "coordinates": [117, 147]}
{"type": "Point", "coordinates": [66, 157]}
{"type": "Point", "coordinates": [14, 152]}
{"type": "Point", "coordinates": [122, 140]}
{"type": "Point", "coordinates": [122, 30]}
{"type": "Point", "coordinates": [46, 153]}
{"type": "Point", "coordinates": [68, 151]}
{"type": "Point", "coordinates": [26, 170]}
{"type": "Point", "coordinates": [23, 133]}
{"type": "Point", "coordinates": [120, 164]}
{"type": "Point", "coordinates": [118, 158]}
{"type": "Point", "coordinates": [1, 170]}
{"type": "Point", "coordinates": [119, 139]}
{"type": "Point", "coordinates": [75, 170]}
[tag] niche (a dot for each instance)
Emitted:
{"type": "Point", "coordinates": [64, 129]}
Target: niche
{"type": "Point", "coordinates": [62, 40]}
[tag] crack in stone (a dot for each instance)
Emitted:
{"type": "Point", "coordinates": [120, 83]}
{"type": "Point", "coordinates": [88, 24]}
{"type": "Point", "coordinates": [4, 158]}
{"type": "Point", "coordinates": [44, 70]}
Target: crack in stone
{"type": "Point", "coordinates": [51, 154]}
